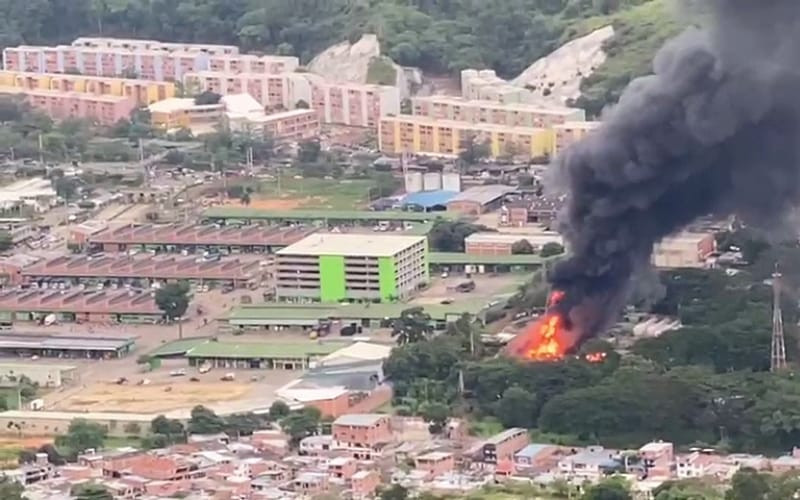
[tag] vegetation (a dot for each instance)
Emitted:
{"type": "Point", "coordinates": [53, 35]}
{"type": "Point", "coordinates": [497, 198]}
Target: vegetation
{"type": "Point", "coordinates": [448, 236]}
{"type": "Point", "coordinates": [90, 491]}
{"type": "Point", "coordinates": [551, 249]}
{"type": "Point", "coordinates": [81, 435]}
{"type": "Point", "coordinates": [173, 300]}
{"type": "Point", "coordinates": [522, 247]}
{"type": "Point", "coordinates": [381, 71]}
{"type": "Point", "coordinates": [10, 489]}
{"type": "Point", "coordinates": [413, 325]}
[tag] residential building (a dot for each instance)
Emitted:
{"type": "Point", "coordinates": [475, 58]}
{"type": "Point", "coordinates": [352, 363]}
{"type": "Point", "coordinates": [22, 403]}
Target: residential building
{"type": "Point", "coordinates": [695, 464]}
{"type": "Point", "coordinates": [359, 105]}
{"type": "Point", "coordinates": [139, 44]}
{"type": "Point", "coordinates": [501, 447]}
{"type": "Point", "coordinates": [435, 463]}
{"type": "Point", "coordinates": [143, 92]}
{"type": "Point", "coordinates": [342, 468]}
{"type": "Point", "coordinates": [335, 267]}
{"type": "Point", "coordinates": [362, 430]}
{"type": "Point", "coordinates": [311, 483]}
{"type": "Point", "coordinates": [150, 466]}
{"type": "Point", "coordinates": [479, 199]}
{"type": "Point", "coordinates": [59, 105]}
{"type": "Point", "coordinates": [364, 484]}
{"type": "Point", "coordinates": [590, 463]}
{"type": "Point", "coordinates": [658, 458]}
{"type": "Point", "coordinates": [684, 250]}
{"type": "Point", "coordinates": [537, 457]}
{"type": "Point", "coordinates": [479, 111]}
{"type": "Point", "coordinates": [486, 85]}
{"type": "Point", "coordinates": [244, 113]}
{"type": "Point", "coordinates": [567, 134]}
{"type": "Point", "coordinates": [253, 64]}
{"type": "Point", "coordinates": [424, 135]}
{"type": "Point", "coordinates": [503, 243]}
{"type": "Point", "coordinates": [177, 113]}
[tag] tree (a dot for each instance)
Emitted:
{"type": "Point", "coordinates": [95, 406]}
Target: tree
{"type": "Point", "coordinates": [394, 492]}
{"type": "Point", "coordinates": [207, 97]}
{"type": "Point", "coordinates": [517, 408]}
{"type": "Point", "coordinates": [90, 491]}
{"type": "Point", "coordinates": [473, 151]}
{"type": "Point", "coordinates": [448, 236]}
{"type": "Point", "coordinates": [245, 198]}
{"type": "Point", "coordinates": [301, 424]}
{"type": "Point", "coordinates": [551, 249]}
{"type": "Point", "coordinates": [10, 489]}
{"type": "Point", "coordinates": [610, 489]}
{"type": "Point", "coordinates": [173, 300]}
{"type": "Point", "coordinates": [65, 187]}
{"type": "Point", "coordinates": [413, 325]}
{"type": "Point", "coordinates": [436, 414]}
{"type": "Point", "coordinates": [205, 421]}
{"type": "Point", "coordinates": [522, 247]}
{"type": "Point", "coordinates": [82, 435]}
{"type": "Point", "coordinates": [309, 151]}
{"type": "Point", "coordinates": [278, 410]}
{"type": "Point", "coordinates": [6, 240]}
{"type": "Point", "coordinates": [748, 484]}
{"type": "Point", "coordinates": [301, 104]}
{"type": "Point", "coordinates": [133, 428]}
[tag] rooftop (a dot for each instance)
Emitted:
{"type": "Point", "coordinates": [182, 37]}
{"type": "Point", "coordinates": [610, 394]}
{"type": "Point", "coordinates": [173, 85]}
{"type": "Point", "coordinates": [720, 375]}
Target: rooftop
{"type": "Point", "coordinates": [532, 450]}
{"type": "Point", "coordinates": [81, 301]}
{"type": "Point", "coordinates": [360, 419]}
{"type": "Point", "coordinates": [429, 199]}
{"type": "Point", "coordinates": [483, 194]}
{"type": "Point", "coordinates": [193, 234]}
{"type": "Point", "coordinates": [260, 350]}
{"type": "Point", "coordinates": [463, 125]}
{"type": "Point", "coordinates": [444, 258]}
{"type": "Point", "coordinates": [177, 347]}
{"type": "Point", "coordinates": [532, 108]}
{"type": "Point", "coordinates": [174, 104]}
{"type": "Point", "coordinates": [22, 341]}
{"type": "Point", "coordinates": [352, 245]}
{"type": "Point", "coordinates": [535, 239]}
{"type": "Point", "coordinates": [319, 215]}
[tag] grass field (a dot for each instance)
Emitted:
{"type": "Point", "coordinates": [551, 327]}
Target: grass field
{"type": "Point", "coordinates": [312, 193]}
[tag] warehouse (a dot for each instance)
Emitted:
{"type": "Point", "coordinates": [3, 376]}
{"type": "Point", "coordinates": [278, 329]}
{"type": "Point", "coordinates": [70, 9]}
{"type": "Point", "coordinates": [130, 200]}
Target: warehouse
{"type": "Point", "coordinates": [78, 306]}
{"type": "Point", "coordinates": [191, 238]}
{"type": "Point", "coordinates": [502, 243]}
{"type": "Point", "coordinates": [454, 262]}
{"type": "Point", "coordinates": [124, 268]}
{"type": "Point", "coordinates": [229, 215]}
{"type": "Point", "coordinates": [479, 200]}
{"type": "Point", "coordinates": [362, 267]}
{"type": "Point", "coordinates": [259, 355]}
{"type": "Point", "coordinates": [26, 346]}
{"type": "Point", "coordinates": [684, 250]}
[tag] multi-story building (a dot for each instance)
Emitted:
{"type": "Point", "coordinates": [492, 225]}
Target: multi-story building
{"type": "Point", "coordinates": [500, 447]}
{"type": "Point", "coordinates": [502, 243]}
{"type": "Point", "coordinates": [684, 250]}
{"type": "Point", "coordinates": [568, 133]}
{"type": "Point", "coordinates": [435, 463]}
{"type": "Point", "coordinates": [145, 59]}
{"type": "Point", "coordinates": [425, 135]}
{"type": "Point", "coordinates": [362, 430]}
{"type": "Point", "coordinates": [353, 104]}
{"type": "Point", "coordinates": [336, 267]}
{"type": "Point", "coordinates": [658, 458]}
{"type": "Point", "coordinates": [103, 109]}
{"type": "Point", "coordinates": [177, 113]}
{"type": "Point", "coordinates": [144, 92]}
{"type": "Point", "coordinates": [481, 111]}
{"type": "Point", "coordinates": [590, 463]}
{"type": "Point", "coordinates": [486, 85]}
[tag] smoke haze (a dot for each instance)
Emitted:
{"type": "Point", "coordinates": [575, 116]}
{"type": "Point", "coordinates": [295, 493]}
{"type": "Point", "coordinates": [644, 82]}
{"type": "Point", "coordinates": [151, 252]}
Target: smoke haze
{"type": "Point", "coordinates": [714, 130]}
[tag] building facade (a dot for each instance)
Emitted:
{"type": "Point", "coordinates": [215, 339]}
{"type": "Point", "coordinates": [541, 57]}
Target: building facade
{"type": "Point", "coordinates": [684, 250]}
{"type": "Point", "coordinates": [294, 125]}
{"type": "Point", "coordinates": [177, 113]}
{"type": "Point", "coordinates": [425, 135]}
{"type": "Point", "coordinates": [144, 92]}
{"type": "Point", "coordinates": [568, 133]}
{"type": "Point", "coordinates": [362, 430]}
{"type": "Point", "coordinates": [103, 109]}
{"type": "Point", "coordinates": [336, 267]}
{"type": "Point", "coordinates": [480, 111]}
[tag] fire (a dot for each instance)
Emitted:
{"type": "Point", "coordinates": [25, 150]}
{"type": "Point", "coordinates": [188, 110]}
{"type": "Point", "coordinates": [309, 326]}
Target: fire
{"type": "Point", "coordinates": [548, 342]}
{"type": "Point", "coordinates": [596, 357]}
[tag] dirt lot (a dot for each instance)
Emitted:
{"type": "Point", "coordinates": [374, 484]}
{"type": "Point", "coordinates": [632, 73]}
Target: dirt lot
{"type": "Point", "coordinates": [487, 287]}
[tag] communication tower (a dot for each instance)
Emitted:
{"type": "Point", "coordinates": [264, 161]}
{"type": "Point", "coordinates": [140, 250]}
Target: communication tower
{"type": "Point", "coordinates": [778, 351]}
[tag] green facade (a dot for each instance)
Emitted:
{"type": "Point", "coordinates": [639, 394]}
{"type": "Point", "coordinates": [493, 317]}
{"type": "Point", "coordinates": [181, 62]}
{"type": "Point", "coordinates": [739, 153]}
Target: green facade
{"type": "Point", "coordinates": [387, 279]}
{"type": "Point", "coordinates": [331, 278]}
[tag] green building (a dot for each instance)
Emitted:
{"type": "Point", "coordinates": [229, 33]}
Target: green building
{"type": "Point", "coordinates": [339, 267]}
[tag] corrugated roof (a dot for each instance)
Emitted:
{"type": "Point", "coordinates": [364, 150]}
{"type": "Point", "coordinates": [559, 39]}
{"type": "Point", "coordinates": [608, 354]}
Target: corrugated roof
{"type": "Point", "coordinates": [429, 199]}
{"type": "Point", "coordinates": [359, 419]}
{"type": "Point", "coordinates": [320, 215]}
{"type": "Point", "coordinates": [483, 194]}
{"type": "Point", "coordinates": [260, 350]}
{"type": "Point", "coordinates": [532, 450]}
{"type": "Point", "coordinates": [351, 245]}
{"type": "Point", "coordinates": [464, 258]}
{"type": "Point", "coordinates": [361, 351]}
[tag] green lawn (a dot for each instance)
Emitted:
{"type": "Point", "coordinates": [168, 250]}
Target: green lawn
{"type": "Point", "coordinates": [316, 193]}
{"type": "Point", "coordinates": [113, 442]}
{"type": "Point", "coordinates": [485, 427]}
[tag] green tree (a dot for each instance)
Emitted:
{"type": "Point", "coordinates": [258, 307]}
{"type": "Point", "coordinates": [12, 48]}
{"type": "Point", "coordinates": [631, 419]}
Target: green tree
{"type": "Point", "coordinates": [517, 408]}
{"type": "Point", "coordinates": [610, 489]}
{"type": "Point", "coordinates": [522, 247]}
{"type": "Point", "coordinates": [436, 414]}
{"type": "Point", "coordinates": [6, 240]}
{"type": "Point", "coordinates": [133, 428]}
{"type": "Point", "coordinates": [10, 489]}
{"type": "Point", "coordinates": [749, 484]}
{"type": "Point", "coordinates": [413, 325]}
{"type": "Point", "coordinates": [90, 491]}
{"type": "Point", "coordinates": [448, 236]}
{"type": "Point", "coordinates": [205, 421]}
{"type": "Point", "coordinates": [82, 435]}
{"type": "Point", "coordinates": [551, 249]}
{"type": "Point", "coordinates": [66, 187]}
{"type": "Point", "coordinates": [300, 424]}
{"type": "Point", "coordinates": [207, 97]}
{"type": "Point", "coordinates": [278, 410]}
{"type": "Point", "coordinates": [309, 151]}
{"type": "Point", "coordinates": [173, 300]}
{"type": "Point", "coordinates": [394, 492]}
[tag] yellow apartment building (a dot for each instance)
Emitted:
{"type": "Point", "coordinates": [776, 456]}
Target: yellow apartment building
{"type": "Point", "coordinates": [176, 113]}
{"type": "Point", "coordinates": [424, 135]}
{"type": "Point", "coordinates": [566, 134]}
{"type": "Point", "coordinates": [144, 92]}
{"type": "Point", "coordinates": [484, 111]}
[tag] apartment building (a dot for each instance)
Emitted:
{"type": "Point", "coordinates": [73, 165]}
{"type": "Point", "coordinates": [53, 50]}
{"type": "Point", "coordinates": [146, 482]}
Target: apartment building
{"type": "Point", "coordinates": [362, 430]}
{"type": "Point", "coordinates": [144, 92]}
{"type": "Point", "coordinates": [336, 267]}
{"type": "Point", "coordinates": [359, 105]}
{"type": "Point", "coordinates": [481, 111]}
{"type": "Point", "coordinates": [425, 135]}
{"type": "Point", "coordinates": [658, 458]}
{"type": "Point", "coordinates": [144, 59]}
{"type": "Point", "coordinates": [294, 125]}
{"type": "Point", "coordinates": [684, 250]}
{"type": "Point", "coordinates": [103, 109]}
{"type": "Point", "coordinates": [568, 133]}
{"type": "Point", "coordinates": [176, 113]}
{"type": "Point", "coordinates": [435, 463]}
{"type": "Point", "coordinates": [500, 447]}
{"type": "Point", "coordinates": [486, 85]}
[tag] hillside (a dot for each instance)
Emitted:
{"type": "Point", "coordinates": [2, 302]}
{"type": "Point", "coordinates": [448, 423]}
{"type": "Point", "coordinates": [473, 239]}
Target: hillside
{"type": "Point", "coordinates": [439, 36]}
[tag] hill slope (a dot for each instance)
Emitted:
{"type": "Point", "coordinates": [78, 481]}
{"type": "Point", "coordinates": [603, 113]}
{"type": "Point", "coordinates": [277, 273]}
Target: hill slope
{"type": "Point", "coordinates": [435, 35]}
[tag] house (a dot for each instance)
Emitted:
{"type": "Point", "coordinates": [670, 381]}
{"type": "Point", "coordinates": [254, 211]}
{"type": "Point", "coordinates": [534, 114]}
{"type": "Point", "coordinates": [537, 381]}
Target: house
{"type": "Point", "coordinates": [435, 463]}
{"type": "Point", "coordinates": [591, 463]}
{"type": "Point", "coordinates": [658, 458]}
{"type": "Point", "coordinates": [362, 430]}
{"type": "Point", "coordinates": [537, 457]}
{"type": "Point", "coordinates": [501, 446]}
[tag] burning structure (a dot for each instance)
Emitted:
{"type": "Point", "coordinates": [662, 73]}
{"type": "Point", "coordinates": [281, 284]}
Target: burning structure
{"type": "Point", "coordinates": [714, 130]}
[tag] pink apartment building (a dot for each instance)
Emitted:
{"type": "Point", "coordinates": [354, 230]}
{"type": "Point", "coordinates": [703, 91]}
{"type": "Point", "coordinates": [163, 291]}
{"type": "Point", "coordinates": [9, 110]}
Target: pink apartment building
{"type": "Point", "coordinates": [104, 109]}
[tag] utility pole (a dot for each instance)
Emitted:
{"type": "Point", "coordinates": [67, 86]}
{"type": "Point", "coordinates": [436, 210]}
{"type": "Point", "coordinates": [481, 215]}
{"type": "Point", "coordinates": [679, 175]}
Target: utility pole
{"type": "Point", "coordinates": [41, 150]}
{"type": "Point", "coordinates": [778, 350]}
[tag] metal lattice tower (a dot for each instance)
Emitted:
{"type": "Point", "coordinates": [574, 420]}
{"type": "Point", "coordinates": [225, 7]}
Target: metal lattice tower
{"type": "Point", "coordinates": [778, 351]}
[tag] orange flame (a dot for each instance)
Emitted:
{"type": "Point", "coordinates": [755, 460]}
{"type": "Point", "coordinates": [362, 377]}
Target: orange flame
{"type": "Point", "coordinates": [596, 357]}
{"type": "Point", "coordinates": [548, 343]}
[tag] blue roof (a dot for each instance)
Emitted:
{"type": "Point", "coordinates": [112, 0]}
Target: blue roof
{"type": "Point", "coordinates": [429, 199]}
{"type": "Point", "coordinates": [532, 450]}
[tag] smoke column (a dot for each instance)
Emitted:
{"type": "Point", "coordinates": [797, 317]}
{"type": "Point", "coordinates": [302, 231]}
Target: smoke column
{"type": "Point", "coordinates": [714, 130]}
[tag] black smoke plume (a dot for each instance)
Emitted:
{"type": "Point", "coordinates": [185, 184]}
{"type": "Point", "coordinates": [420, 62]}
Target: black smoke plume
{"type": "Point", "coordinates": [714, 130]}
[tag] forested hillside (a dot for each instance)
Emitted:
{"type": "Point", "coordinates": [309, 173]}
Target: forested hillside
{"type": "Point", "coordinates": [436, 35]}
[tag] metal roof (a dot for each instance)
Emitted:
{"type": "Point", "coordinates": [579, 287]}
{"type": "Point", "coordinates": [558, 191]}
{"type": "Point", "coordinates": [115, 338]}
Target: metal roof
{"type": "Point", "coordinates": [483, 194]}
{"type": "Point", "coordinates": [21, 341]}
{"type": "Point", "coordinates": [360, 419]}
{"type": "Point", "coordinates": [464, 258]}
{"type": "Point", "coordinates": [320, 215]}
{"type": "Point", "coordinates": [352, 245]}
{"type": "Point", "coordinates": [260, 350]}
{"type": "Point", "coordinates": [429, 199]}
